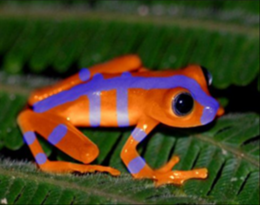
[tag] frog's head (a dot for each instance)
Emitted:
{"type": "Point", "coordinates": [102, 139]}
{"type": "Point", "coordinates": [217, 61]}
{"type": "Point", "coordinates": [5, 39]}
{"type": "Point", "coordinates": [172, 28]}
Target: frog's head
{"type": "Point", "coordinates": [188, 102]}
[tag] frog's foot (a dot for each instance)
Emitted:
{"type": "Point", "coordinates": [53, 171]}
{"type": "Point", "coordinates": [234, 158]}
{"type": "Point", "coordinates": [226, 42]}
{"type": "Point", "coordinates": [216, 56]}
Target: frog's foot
{"type": "Point", "coordinates": [179, 177]}
{"type": "Point", "coordinates": [68, 167]}
{"type": "Point", "coordinates": [165, 175]}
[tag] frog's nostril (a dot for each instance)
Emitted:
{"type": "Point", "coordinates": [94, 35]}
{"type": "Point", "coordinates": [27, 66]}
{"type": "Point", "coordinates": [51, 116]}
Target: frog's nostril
{"type": "Point", "coordinates": [208, 115]}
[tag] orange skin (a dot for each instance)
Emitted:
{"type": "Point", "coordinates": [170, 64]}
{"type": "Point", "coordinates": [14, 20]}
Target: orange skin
{"type": "Point", "coordinates": [146, 108]}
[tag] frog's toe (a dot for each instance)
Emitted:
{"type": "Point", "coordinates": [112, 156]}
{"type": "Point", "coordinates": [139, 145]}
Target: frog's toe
{"type": "Point", "coordinates": [114, 172]}
{"type": "Point", "coordinates": [170, 164]}
{"type": "Point", "coordinates": [99, 168]}
{"type": "Point", "coordinates": [179, 177]}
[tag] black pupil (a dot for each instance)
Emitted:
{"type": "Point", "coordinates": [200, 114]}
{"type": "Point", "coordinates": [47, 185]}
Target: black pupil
{"type": "Point", "coordinates": [183, 104]}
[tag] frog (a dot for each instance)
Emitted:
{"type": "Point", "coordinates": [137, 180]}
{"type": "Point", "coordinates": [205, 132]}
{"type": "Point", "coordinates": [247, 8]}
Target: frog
{"type": "Point", "coordinates": [118, 93]}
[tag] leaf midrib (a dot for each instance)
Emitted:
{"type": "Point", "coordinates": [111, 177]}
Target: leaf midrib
{"type": "Point", "coordinates": [209, 25]}
{"type": "Point", "coordinates": [234, 151]}
{"type": "Point", "coordinates": [73, 186]}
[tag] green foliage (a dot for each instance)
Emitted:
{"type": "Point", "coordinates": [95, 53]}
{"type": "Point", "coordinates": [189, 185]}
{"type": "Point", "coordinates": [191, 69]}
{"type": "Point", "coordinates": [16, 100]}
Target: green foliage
{"type": "Point", "coordinates": [10, 134]}
{"type": "Point", "coordinates": [78, 43]}
{"type": "Point", "coordinates": [58, 45]}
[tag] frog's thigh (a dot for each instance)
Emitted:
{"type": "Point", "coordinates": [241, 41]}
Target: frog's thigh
{"type": "Point", "coordinates": [60, 133]}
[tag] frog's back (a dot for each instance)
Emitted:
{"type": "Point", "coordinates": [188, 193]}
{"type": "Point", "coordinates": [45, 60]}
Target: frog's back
{"type": "Point", "coordinates": [103, 101]}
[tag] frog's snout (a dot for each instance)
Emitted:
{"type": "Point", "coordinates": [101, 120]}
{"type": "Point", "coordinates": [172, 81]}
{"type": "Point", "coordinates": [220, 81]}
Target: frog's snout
{"type": "Point", "coordinates": [212, 110]}
{"type": "Point", "coordinates": [208, 115]}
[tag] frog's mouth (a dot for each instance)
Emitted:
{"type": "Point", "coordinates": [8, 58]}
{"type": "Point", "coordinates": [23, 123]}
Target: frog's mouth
{"type": "Point", "coordinates": [221, 111]}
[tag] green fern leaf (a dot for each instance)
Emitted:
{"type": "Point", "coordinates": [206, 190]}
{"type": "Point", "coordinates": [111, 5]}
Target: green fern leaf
{"type": "Point", "coordinates": [229, 147]}
{"type": "Point", "coordinates": [177, 44]}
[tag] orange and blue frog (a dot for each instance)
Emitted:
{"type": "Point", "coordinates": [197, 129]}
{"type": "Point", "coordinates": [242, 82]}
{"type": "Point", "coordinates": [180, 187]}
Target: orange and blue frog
{"type": "Point", "coordinates": [118, 93]}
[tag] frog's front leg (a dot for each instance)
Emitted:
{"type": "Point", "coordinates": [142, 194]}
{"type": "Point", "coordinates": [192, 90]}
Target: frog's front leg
{"type": "Point", "coordinates": [62, 134]}
{"type": "Point", "coordinates": [138, 167]}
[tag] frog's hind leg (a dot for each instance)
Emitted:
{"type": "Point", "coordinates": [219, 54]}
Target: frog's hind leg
{"type": "Point", "coordinates": [62, 134]}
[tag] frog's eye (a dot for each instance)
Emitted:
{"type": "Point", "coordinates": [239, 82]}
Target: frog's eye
{"type": "Point", "coordinates": [207, 75]}
{"type": "Point", "coordinates": [182, 104]}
